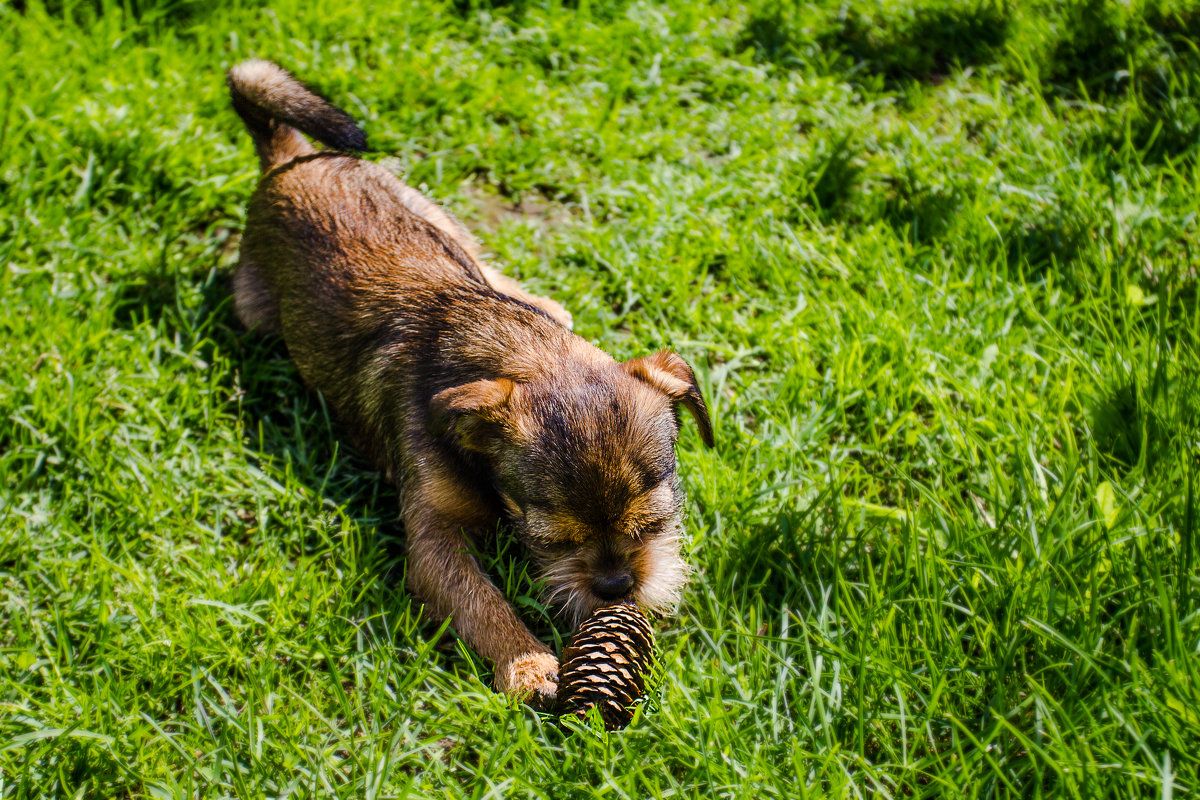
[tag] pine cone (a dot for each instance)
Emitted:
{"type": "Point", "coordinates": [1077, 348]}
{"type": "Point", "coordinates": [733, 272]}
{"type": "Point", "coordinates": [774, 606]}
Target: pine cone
{"type": "Point", "coordinates": [606, 665]}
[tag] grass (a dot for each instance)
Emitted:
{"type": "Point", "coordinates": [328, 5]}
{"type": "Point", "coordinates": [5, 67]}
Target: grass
{"type": "Point", "coordinates": [935, 264]}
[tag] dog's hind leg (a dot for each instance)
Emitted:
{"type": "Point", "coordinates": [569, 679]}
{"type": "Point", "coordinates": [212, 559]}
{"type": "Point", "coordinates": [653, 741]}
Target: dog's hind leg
{"type": "Point", "coordinates": [252, 300]}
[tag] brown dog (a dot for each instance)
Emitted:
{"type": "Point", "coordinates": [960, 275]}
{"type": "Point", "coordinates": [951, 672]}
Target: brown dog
{"type": "Point", "coordinates": [473, 395]}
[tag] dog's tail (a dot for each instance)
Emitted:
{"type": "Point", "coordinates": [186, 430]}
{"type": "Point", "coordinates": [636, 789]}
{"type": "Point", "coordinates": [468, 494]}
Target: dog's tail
{"type": "Point", "coordinates": [277, 108]}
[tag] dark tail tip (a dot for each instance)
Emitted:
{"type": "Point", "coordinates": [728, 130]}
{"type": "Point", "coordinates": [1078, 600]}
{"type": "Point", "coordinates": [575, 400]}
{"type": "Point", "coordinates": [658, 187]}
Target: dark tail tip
{"type": "Point", "coordinates": [344, 134]}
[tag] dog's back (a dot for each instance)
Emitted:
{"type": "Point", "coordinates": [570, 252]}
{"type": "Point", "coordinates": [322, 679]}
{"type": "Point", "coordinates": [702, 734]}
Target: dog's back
{"type": "Point", "coordinates": [339, 255]}
{"type": "Point", "coordinates": [279, 111]}
{"type": "Point", "coordinates": [327, 222]}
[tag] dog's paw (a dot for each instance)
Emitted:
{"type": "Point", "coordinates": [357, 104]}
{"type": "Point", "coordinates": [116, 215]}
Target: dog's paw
{"type": "Point", "coordinates": [532, 678]}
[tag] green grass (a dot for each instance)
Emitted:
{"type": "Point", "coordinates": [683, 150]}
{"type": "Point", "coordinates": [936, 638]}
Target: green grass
{"type": "Point", "coordinates": [935, 263]}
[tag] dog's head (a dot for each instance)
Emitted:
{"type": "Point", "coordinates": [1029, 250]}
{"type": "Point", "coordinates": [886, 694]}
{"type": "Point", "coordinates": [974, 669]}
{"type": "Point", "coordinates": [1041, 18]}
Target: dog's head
{"type": "Point", "coordinates": [584, 462]}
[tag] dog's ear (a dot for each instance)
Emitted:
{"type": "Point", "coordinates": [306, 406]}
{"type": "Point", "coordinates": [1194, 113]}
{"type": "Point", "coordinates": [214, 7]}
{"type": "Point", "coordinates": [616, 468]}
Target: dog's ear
{"type": "Point", "coordinates": [671, 375]}
{"type": "Point", "coordinates": [472, 413]}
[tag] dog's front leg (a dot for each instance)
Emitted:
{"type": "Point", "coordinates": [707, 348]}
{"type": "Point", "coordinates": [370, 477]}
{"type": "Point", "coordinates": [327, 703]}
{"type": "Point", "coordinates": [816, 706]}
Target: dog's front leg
{"type": "Point", "coordinates": [443, 574]}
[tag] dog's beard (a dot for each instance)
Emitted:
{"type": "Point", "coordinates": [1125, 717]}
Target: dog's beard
{"type": "Point", "coordinates": [659, 572]}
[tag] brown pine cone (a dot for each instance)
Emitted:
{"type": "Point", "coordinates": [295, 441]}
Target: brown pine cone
{"type": "Point", "coordinates": [606, 665]}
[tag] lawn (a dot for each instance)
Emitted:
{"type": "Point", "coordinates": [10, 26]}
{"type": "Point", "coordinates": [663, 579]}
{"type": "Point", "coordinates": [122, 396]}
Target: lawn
{"type": "Point", "coordinates": [936, 266]}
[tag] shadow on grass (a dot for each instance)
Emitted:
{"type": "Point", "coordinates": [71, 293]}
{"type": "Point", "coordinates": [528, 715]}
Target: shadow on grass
{"type": "Point", "coordinates": [1108, 50]}
{"type": "Point", "coordinates": [784, 560]}
{"type": "Point", "coordinates": [1164, 127]}
{"type": "Point", "coordinates": [288, 423]}
{"type": "Point", "coordinates": [146, 12]}
{"type": "Point", "coordinates": [1105, 45]}
{"type": "Point", "coordinates": [831, 178]}
{"type": "Point", "coordinates": [922, 214]}
{"type": "Point", "coordinates": [1126, 428]}
{"type": "Point", "coordinates": [517, 9]}
{"type": "Point", "coordinates": [1039, 246]}
{"type": "Point", "coordinates": [1140, 419]}
{"type": "Point", "coordinates": [922, 42]}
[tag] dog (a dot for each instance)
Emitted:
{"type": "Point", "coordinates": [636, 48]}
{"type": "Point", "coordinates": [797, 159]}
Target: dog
{"type": "Point", "coordinates": [471, 394]}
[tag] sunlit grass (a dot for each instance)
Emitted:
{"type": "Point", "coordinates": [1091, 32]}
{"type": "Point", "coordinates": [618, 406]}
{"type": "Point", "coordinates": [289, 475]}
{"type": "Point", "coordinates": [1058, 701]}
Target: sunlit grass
{"type": "Point", "coordinates": [934, 263]}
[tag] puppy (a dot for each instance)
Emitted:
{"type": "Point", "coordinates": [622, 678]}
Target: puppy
{"type": "Point", "coordinates": [473, 395]}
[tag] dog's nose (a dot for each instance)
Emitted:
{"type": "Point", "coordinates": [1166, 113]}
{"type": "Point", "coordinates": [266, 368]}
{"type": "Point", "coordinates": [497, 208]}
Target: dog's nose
{"type": "Point", "coordinates": [612, 585]}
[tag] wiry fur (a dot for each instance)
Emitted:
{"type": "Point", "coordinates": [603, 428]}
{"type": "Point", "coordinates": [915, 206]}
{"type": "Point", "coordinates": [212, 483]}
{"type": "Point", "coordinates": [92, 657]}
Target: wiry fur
{"type": "Point", "coordinates": [472, 394]}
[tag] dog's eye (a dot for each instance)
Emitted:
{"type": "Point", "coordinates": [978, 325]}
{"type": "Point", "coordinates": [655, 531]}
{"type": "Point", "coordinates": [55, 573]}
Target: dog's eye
{"type": "Point", "coordinates": [549, 551]}
{"type": "Point", "coordinates": [650, 529]}
{"type": "Point", "coordinates": [555, 528]}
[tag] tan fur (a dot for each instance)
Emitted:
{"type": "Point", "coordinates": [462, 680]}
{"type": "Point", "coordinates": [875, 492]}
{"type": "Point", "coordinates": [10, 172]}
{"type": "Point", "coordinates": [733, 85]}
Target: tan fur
{"type": "Point", "coordinates": [472, 394]}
